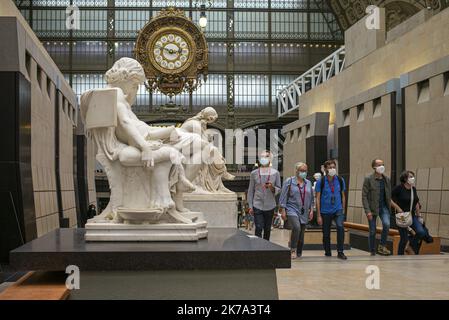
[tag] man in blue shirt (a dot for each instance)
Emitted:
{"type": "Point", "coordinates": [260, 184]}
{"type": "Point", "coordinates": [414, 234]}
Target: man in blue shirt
{"type": "Point", "coordinates": [331, 205]}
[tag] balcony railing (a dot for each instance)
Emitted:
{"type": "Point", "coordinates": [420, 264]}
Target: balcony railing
{"type": "Point", "coordinates": [289, 97]}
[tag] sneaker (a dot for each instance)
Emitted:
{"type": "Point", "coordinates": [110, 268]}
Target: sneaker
{"type": "Point", "coordinates": [328, 254]}
{"type": "Point", "coordinates": [373, 253]}
{"type": "Point", "coordinates": [382, 250]}
{"type": "Point", "coordinates": [342, 256]}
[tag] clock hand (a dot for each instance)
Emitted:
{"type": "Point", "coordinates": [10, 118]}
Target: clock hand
{"type": "Point", "coordinates": [171, 51]}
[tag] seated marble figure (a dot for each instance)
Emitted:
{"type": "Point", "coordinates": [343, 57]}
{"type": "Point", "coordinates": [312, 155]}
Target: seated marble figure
{"type": "Point", "coordinates": [211, 175]}
{"type": "Point", "coordinates": [148, 168]}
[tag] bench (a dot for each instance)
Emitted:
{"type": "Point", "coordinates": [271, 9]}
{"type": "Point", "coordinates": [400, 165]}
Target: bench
{"type": "Point", "coordinates": [38, 286]}
{"type": "Point", "coordinates": [426, 248]}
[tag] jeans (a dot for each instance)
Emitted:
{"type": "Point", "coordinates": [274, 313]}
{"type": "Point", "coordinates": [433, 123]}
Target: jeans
{"type": "Point", "coordinates": [403, 232]}
{"type": "Point", "coordinates": [263, 220]}
{"type": "Point", "coordinates": [384, 215]}
{"type": "Point", "coordinates": [327, 223]}
{"type": "Point", "coordinates": [297, 234]}
{"type": "Point", "coordinates": [415, 241]}
{"type": "Point", "coordinates": [420, 233]}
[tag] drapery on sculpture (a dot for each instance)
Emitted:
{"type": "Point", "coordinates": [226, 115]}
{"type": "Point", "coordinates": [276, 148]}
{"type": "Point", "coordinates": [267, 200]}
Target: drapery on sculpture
{"type": "Point", "coordinates": [148, 168]}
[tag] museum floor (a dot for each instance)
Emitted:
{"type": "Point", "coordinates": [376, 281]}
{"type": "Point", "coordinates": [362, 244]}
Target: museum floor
{"type": "Point", "coordinates": [317, 277]}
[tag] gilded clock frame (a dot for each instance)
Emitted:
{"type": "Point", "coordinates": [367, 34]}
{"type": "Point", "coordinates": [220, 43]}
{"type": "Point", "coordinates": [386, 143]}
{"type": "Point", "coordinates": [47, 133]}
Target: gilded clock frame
{"type": "Point", "coordinates": [175, 31]}
{"type": "Point", "coordinates": [185, 78]}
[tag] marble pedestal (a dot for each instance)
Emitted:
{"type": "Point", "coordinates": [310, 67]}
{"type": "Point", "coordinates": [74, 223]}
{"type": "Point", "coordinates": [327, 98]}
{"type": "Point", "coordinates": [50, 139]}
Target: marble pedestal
{"type": "Point", "coordinates": [219, 209]}
{"type": "Point", "coordinates": [228, 264]}
{"type": "Point", "coordinates": [107, 231]}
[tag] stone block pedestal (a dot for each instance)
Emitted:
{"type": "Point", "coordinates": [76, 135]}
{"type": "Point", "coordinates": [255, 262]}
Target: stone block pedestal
{"type": "Point", "coordinates": [219, 209]}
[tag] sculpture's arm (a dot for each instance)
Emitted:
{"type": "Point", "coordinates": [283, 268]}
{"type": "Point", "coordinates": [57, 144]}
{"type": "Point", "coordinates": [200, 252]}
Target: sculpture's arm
{"type": "Point", "coordinates": [133, 133]}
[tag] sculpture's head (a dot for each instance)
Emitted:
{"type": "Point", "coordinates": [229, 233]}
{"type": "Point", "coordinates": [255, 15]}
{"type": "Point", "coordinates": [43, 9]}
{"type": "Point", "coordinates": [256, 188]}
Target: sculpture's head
{"type": "Point", "coordinates": [209, 115]}
{"type": "Point", "coordinates": [126, 74]}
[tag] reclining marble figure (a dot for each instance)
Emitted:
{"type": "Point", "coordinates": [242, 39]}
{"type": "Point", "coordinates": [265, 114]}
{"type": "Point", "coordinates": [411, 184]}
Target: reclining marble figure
{"type": "Point", "coordinates": [148, 168]}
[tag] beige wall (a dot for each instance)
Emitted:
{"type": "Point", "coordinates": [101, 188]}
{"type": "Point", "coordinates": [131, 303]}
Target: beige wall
{"type": "Point", "coordinates": [294, 150]}
{"type": "Point", "coordinates": [91, 152]}
{"type": "Point", "coordinates": [421, 45]}
{"type": "Point", "coordinates": [296, 134]}
{"type": "Point", "coordinates": [427, 127]}
{"type": "Point", "coordinates": [370, 138]}
{"type": "Point", "coordinates": [67, 114]}
{"type": "Point", "coordinates": [42, 150]}
{"type": "Point", "coordinates": [25, 54]}
{"type": "Point", "coordinates": [415, 51]}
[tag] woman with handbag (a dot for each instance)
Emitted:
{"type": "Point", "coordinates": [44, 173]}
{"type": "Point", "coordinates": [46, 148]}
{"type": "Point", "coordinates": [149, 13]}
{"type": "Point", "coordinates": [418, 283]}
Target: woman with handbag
{"type": "Point", "coordinates": [404, 199]}
{"type": "Point", "coordinates": [296, 203]}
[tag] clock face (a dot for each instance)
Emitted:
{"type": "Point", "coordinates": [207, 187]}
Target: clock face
{"type": "Point", "coordinates": [171, 51]}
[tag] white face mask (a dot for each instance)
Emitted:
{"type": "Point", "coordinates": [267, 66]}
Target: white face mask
{"type": "Point", "coordinates": [332, 172]}
{"type": "Point", "coordinates": [411, 180]}
{"type": "Point", "coordinates": [264, 162]}
{"type": "Point", "coordinates": [317, 177]}
{"type": "Point", "coordinates": [380, 169]}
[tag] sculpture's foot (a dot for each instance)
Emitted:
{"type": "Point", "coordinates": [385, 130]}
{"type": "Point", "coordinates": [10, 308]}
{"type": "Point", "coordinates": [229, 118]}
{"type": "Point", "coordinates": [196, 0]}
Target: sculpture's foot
{"type": "Point", "coordinates": [164, 204]}
{"type": "Point", "coordinates": [117, 219]}
{"type": "Point", "coordinates": [185, 185]}
{"type": "Point", "coordinates": [228, 176]}
{"type": "Point", "coordinates": [177, 217]}
{"type": "Point", "coordinates": [182, 209]}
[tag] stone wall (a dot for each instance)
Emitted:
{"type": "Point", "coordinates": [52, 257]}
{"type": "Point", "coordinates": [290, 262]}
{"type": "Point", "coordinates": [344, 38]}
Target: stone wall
{"type": "Point", "coordinates": [369, 118]}
{"type": "Point", "coordinates": [306, 141]}
{"type": "Point", "coordinates": [426, 93]}
{"type": "Point", "coordinates": [38, 188]}
{"type": "Point", "coordinates": [43, 101]}
{"type": "Point", "coordinates": [391, 103]}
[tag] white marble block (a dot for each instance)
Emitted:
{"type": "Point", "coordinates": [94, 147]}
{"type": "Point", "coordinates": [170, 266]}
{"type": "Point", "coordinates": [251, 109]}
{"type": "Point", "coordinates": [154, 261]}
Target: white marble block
{"type": "Point", "coordinates": [219, 209]}
{"type": "Point", "coordinates": [106, 231]}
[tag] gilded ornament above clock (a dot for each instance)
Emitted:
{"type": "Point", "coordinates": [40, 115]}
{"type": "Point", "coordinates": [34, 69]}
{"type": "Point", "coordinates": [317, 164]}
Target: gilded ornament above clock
{"type": "Point", "coordinates": [173, 52]}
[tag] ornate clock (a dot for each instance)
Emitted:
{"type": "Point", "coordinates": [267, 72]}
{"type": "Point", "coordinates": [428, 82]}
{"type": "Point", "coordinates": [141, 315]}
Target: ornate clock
{"type": "Point", "coordinates": [173, 53]}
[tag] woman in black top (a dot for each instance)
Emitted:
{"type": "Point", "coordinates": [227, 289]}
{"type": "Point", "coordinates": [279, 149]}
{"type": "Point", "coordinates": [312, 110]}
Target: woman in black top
{"type": "Point", "coordinates": [401, 197]}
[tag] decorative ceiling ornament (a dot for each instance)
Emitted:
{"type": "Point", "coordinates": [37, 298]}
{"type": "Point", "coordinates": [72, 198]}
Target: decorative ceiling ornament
{"type": "Point", "coordinates": [173, 52]}
{"type": "Point", "coordinates": [396, 12]}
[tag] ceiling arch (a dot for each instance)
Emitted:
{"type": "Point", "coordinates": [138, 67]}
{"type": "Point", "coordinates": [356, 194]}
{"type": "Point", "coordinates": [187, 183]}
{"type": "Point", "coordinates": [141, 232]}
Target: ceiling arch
{"type": "Point", "coordinates": [349, 12]}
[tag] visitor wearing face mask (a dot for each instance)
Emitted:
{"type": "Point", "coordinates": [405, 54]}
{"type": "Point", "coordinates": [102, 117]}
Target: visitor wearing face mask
{"type": "Point", "coordinates": [376, 199]}
{"type": "Point", "coordinates": [264, 185]}
{"type": "Point", "coordinates": [331, 205]}
{"type": "Point", "coordinates": [401, 197]}
{"type": "Point", "coordinates": [295, 204]}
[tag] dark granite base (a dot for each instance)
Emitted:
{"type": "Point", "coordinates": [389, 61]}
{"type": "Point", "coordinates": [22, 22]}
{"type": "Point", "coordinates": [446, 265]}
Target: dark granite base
{"type": "Point", "coordinates": [224, 249]}
{"type": "Point", "coordinates": [177, 285]}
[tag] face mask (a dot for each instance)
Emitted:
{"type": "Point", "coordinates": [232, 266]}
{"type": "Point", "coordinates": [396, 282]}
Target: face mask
{"type": "Point", "coordinates": [302, 175]}
{"type": "Point", "coordinates": [380, 169]}
{"type": "Point", "coordinates": [264, 161]}
{"type": "Point", "coordinates": [317, 177]}
{"type": "Point", "coordinates": [411, 180]}
{"type": "Point", "coordinates": [332, 172]}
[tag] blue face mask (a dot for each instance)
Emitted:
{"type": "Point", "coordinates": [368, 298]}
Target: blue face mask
{"type": "Point", "coordinates": [264, 161]}
{"type": "Point", "coordinates": [302, 175]}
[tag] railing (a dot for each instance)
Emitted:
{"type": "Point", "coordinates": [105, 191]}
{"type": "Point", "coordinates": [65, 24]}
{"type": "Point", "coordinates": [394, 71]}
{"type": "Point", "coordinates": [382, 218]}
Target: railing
{"type": "Point", "coordinates": [289, 97]}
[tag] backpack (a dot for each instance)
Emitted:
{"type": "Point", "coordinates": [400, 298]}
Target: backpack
{"type": "Point", "coordinates": [323, 181]}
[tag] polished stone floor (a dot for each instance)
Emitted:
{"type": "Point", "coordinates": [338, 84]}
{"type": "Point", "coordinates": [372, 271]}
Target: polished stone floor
{"type": "Point", "coordinates": [317, 277]}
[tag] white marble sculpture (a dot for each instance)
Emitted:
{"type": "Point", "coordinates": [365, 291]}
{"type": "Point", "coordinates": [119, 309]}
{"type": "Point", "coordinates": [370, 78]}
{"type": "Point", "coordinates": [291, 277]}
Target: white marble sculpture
{"type": "Point", "coordinates": [148, 168]}
{"type": "Point", "coordinates": [211, 175]}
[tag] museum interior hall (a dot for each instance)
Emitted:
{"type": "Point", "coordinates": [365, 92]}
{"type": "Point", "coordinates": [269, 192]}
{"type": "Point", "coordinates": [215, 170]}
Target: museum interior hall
{"type": "Point", "coordinates": [224, 149]}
